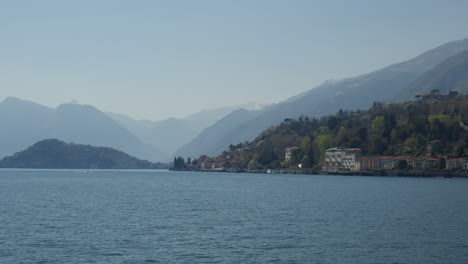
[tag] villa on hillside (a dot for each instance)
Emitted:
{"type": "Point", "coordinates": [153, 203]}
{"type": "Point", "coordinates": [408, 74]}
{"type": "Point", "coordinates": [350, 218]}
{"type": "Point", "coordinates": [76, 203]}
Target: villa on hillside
{"type": "Point", "coordinates": [288, 152]}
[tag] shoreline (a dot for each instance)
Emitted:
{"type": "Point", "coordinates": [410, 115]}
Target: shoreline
{"type": "Point", "coordinates": [378, 173]}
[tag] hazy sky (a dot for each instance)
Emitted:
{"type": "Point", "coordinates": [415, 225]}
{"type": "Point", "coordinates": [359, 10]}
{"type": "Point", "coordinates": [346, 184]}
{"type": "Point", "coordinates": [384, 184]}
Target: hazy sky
{"type": "Point", "coordinates": [156, 59]}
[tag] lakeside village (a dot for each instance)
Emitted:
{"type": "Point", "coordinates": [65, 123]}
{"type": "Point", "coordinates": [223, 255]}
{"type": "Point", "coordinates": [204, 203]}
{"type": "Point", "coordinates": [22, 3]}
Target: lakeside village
{"type": "Point", "coordinates": [347, 161]}
{"type": "Point", "coordinates": [432, 159]}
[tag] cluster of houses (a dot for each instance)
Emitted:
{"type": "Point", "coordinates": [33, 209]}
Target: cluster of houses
{"type": "Point", "coordinates": [350, 159]}
{"type": "Point", "coordinates": [435, 96]}
{"type": "Point", "coordinates": [205, 163]}
{"type": "Point", "coordinates": [344, 159]}
{"type": "Point", "coordinates": [212, 164]}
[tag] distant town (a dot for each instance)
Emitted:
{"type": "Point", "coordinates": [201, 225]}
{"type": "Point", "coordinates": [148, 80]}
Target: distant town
{"type": "Point", "coordinates": [428, 137]}
{"type": "Point", "coordinates": [342, 160]}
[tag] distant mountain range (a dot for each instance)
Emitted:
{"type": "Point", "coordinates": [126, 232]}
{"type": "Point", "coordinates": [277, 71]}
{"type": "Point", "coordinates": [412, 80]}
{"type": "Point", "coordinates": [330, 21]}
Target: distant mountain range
{"type": "Point", "coordinates": [56, 154]}
{"type": "Point", "coordinates": [214, 139]}
{"type": "Point", "coordinates": [163, 135]}
{"type": "Point", "coordinates": [171, 134]}
{"type": "Point", "coordinates": [387, 84]}
{"type": "Point", "coordinates": [24, 123]}
{"type": "Point", "coordinates": [211, 131]}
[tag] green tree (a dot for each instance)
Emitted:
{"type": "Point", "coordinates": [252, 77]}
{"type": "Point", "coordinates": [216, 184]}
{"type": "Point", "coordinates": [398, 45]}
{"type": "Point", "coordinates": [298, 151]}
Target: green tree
{"type": "Point", "coordinates": [377, 145]}
{"type": "Point", "coordinates": [179, 163]}
{"type": "Point", "coordinates": [324, 142]}
{"type": "Point", "coordinates": [306, 161]}
{"type": "Point", "coordinates": [401, 164]}
{"type": "Point", "coordinates": [306, 145]}
{"type": "Point", "coordinates": [410, 145]}
{"type": "Point", "coordinates": [378, 125]}
{"type": "Point", "coordinates": [445, 119]}
{"type": "Point", "coordinates": [362, 133]}
{"type": "Point", "coordinates": [439, 164]}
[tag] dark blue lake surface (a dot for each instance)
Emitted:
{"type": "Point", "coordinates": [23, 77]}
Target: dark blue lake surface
{"type": "Point", "coordinates": [73, 216]}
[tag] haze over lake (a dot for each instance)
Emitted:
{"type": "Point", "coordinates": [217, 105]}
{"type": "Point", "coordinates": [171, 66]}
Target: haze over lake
{"type": "Point", "coordinates": [75, 216]}
{"type": "Point", "coordinates": [136, 131]}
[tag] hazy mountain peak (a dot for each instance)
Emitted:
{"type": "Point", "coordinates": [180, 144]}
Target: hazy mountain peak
{"type": "Point", "coordinates": [15, 101]}
{"type": "Point", "coordinates": [252, 106]}
{"type": "Point", "coordinates": [11, 99]}
{"type": "Point", "coordinates": [77, 107]}
{"type": "Point", "coordinates": [14, 107]}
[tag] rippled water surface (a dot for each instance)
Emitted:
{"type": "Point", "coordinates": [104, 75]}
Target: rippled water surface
{"type": "Point", "coordinates": [73, 216]}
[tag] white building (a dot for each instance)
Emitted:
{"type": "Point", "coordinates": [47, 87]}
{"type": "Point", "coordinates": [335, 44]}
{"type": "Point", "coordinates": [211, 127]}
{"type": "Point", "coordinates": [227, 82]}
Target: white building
{"type": "Point", "coordinates": [341, 159]}
{"type": "Point", "coordinates": [456, 164]}
{"type": "Point", "coordinates": [288, 152]}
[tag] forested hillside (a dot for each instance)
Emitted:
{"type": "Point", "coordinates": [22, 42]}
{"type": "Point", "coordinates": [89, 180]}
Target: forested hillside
{"type": "Point", "coordinates": [354, 93]}
{"type": "Point", "coordinates": [384, 129]}
{"type": "Point", "coordinates": [55, 154]}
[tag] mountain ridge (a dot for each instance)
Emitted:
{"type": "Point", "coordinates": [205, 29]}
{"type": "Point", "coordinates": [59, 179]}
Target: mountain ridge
{"type": "Point", "coordinates": [353, 93]}
{"type": "Point", "coordinates": [25, 122]}
{"type": "Point", "coordinates": [177, 131]}
{"type": "Point", "coordinates": [449, 75]}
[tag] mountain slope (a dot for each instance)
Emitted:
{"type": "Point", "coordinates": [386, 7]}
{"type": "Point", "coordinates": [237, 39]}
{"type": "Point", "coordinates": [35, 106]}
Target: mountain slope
{"type": "Point", "coordinates": [451, 74]}
{"type": "Point", "coordinates": [24, 123]}
{"type": "Point", "coordinates": [167, 135]}
{"type": "Point", "coordinates": [171, 134]}
{"type": "Point", "coordinates": [55, 154]}
{"type": "Point", "coordinates": [212, 140]}
{"type": "Point", "coordinates": [352, 93]}
{"type": "Point", "coordinates": [174, 129]}
{"type": "Point", "coordinates": [84, 124]}
{"type": "Point", "coordinates": [209, 117]}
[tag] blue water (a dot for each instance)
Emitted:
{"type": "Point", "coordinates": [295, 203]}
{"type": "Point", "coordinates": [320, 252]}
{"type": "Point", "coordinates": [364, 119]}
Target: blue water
{"type": "Point", "coordinates": [67, 216]}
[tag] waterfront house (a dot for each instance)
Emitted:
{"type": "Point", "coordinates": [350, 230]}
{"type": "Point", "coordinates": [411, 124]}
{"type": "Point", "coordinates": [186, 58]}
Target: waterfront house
{"type": "Point", "coordinates": [422, 164]}
{"type": "Point", "coordinates": [456, 164]}
{"type": "Point", "coordinates": [341, 159]}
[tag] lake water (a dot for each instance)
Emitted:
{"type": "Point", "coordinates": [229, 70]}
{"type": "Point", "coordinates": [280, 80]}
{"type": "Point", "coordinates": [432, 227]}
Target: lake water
{"type": "Point", "coordinates": [74, 216]}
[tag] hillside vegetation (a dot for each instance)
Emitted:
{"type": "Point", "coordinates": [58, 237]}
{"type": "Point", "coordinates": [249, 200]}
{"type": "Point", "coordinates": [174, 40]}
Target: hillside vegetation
{"type": "Point", "coordinates": [354, 93]}
{"type": "Point", "coordinates": [55, 154]}
{"type": "Point", "coordinates": [384, 129]}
